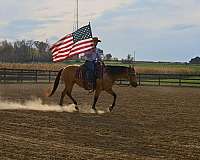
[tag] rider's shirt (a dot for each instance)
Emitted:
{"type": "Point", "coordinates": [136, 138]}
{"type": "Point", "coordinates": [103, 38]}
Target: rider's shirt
{"type": "Point", "coordinates": [94, 54]}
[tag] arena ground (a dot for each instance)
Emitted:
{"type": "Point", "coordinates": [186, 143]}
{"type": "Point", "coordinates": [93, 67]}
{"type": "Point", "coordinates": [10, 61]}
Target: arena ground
{"type": "Point", "coordinates": [147, 123]}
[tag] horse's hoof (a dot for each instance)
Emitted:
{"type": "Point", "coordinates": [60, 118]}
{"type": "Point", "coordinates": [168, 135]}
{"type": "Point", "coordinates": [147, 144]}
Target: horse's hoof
{"type": "Point", "coordinates": [110, 108]}
{"type": "Point", "coordinates": [77, 109]}
{"type": "Point", "coordinates": [95, 110]}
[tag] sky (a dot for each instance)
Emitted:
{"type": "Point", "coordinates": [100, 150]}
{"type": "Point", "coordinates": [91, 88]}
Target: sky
{"type": "Point", "coordinates": [157, 30]}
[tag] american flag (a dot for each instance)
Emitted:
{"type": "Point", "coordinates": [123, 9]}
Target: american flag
{"type": "Point", "coordinates": [72, 44]}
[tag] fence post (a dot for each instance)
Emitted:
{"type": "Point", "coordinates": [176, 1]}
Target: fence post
{"type": "Point", "coordinates": [22, 75]}
{"type": "Point", "coordinates": [179, 80]}
{"type": "Point", "coordinates": [36, 78]}
{"type": "Point", "coordinates": [139, 78]}
{"type": "Point", "coordinates": [49, 76]}
{"type": "Point", "coordinates": [159, 79]}
{"type": "Point", "coordinates": [4, 75]}
{"type": "Point", "coordinates": [17, 78]}
{"type": "Point", "coordinates": [120, 82]}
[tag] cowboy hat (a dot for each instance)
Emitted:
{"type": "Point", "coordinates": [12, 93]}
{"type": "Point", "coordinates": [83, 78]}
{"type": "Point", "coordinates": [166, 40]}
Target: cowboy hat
{"type": "Point", "coordinates": [96, 39]}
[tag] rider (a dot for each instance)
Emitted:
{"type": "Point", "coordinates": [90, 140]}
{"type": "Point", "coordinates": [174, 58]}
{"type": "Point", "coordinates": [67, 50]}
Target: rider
{"type": "Point", "coordinates": [92, 57]}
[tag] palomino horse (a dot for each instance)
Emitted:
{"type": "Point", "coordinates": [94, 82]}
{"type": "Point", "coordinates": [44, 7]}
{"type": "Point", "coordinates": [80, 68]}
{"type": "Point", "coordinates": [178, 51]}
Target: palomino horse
{"type": "Point", "coordinates": [109, 76]}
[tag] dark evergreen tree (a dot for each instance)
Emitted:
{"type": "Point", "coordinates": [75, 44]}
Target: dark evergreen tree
{"type": "Point", "coordinates": [195, 60]}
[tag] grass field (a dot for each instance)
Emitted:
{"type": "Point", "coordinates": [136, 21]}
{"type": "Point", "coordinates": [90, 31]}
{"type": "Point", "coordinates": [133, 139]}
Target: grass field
{"type": "Point", "coordinates": [168, 68]}
{"type": "Point", "coordinates": [140, 67]}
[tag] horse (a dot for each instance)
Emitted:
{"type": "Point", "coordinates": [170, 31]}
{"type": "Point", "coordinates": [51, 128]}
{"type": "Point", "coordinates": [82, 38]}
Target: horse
{"type": "Point", "coordinates": [104, 83]}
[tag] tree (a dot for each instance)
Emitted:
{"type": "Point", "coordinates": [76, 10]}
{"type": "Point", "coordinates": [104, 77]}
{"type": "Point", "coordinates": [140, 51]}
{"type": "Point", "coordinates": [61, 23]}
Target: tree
{"type": "Point", "coordinates": [115, 59]}
{"type": "Point", "coordinates": [24, 51]}
{"type": "Point", "coordinates": [129, 58]}
{"type": "Point", "coordinates": [108, 57]}
{"type": "Point", "coordinates": [195, 60]}
{"type": "Point", "coordinates": [30, 44]}
{"type": "Point", "coordinates": [6, 51]}
{"type": "Point", "coordinates": [43, 51]}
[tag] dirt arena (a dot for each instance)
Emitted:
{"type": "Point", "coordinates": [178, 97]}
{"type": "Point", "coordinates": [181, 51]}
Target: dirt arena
{"type": "Point", "coordinates": [147, 123]}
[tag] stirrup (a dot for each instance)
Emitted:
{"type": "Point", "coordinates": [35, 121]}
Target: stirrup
{"type": "Point", "coordinates": [91, 91]}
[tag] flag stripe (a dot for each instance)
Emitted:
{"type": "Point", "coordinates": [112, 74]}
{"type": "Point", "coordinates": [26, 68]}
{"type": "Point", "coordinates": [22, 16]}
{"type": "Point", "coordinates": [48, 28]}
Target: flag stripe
{"type": "Point", "coordinates": [59, 50]}
{"type": "Point", "coordinates": [81, 47]}
{"type": "Point", "coordinates": [82, 51]}
{"type": "Point", "coordinates": [60, 58]}
{"type": "Point", "coordinates": [72, 44]}
{"type": "Point", "coordinates": [83, 42]}
{"type": "Point", "coordinates": [78, 46]}
{"type": "Point", "coordinates": [64, 50]}
{"type": "Point", "coordinates": [63, 44]}
{"type": "Point", "coordinates": [61, 54]}
{"type": "Point", "coordinates": [63, 47]}
{"type": "Point", "coordinates": [68, 37]}
{"type": "Point", "coordinates": [77, 51]}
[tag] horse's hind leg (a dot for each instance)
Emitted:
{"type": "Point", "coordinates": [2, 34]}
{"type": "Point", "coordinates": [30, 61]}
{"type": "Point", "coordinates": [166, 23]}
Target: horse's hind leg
{"type": "Point", "coordinates": [70, 96]}
{"type": "Point", "coordinates": [62, 96]}
{"type": "Point", "coordinates": [69, 91]}
{"type": "Point", "coordinates": [110, 91]}
{"type": "Point", "coordinates": [74, 101]}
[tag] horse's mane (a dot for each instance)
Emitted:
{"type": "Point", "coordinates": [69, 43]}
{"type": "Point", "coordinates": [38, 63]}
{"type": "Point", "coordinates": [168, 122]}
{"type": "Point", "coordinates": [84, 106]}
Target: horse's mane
{"type": "Point", "coordinates": [113, 70]}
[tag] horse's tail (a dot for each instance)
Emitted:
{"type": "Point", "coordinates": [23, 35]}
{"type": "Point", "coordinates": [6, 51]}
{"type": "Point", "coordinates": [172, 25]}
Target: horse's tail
{"type": "Point", "coordinates": [56, 82]}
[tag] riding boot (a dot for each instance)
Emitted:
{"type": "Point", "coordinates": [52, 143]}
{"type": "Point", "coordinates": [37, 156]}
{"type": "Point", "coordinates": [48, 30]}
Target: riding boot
{"type": "Point", "coordinates": [94, 85]}
{"type": "Point", "coordinates": [91, 87]}
{"type": "Point", "coordinates": [85, 84]}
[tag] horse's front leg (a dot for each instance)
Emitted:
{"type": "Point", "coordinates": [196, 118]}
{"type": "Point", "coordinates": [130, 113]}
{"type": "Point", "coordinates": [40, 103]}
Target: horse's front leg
{"type": "Point", "coordinates": [110, 91]}
{"type": "Point", "coordinates": [96, 96]}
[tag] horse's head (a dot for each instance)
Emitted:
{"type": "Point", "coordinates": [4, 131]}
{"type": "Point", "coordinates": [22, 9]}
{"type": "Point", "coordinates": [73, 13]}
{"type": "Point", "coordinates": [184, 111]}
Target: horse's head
{"type": "Point", "coordinates": [132, 76]}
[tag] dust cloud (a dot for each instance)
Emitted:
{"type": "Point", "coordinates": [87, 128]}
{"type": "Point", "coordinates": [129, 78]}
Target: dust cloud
{"type": "Point", "coordinates": [37, 105]}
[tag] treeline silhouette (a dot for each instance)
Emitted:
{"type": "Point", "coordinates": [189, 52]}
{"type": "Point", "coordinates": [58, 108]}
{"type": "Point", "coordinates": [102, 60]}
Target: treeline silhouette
{"type": "Point", "coordinates": [24, 51]}
{"type": "Point", "coordinates": [195, 60]}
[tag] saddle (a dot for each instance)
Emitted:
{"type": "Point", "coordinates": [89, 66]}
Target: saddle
{"type": "Point", "coordinates": [88, 76]}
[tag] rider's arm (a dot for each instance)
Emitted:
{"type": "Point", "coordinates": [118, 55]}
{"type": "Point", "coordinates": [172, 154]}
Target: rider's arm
{"type": "Point", "coordinates": [99, 54]}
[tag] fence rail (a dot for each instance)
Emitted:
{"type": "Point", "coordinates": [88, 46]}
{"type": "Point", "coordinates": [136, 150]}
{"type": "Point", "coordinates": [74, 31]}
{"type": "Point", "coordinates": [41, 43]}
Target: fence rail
{"type": "Point", "coordinates": [26, 76]}
{"type": "Point", "coordinates": [46, 76]}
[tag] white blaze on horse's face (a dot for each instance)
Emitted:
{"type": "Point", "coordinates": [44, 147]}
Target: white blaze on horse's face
{"type": "Point", "coordinates": [132, 76]}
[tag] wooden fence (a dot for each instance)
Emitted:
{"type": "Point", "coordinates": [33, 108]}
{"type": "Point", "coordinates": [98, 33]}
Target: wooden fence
{"type": "Point", "coordinates": [42, 76]}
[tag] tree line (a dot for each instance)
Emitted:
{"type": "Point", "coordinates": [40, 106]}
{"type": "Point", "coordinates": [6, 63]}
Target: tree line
{"type": "Point", "coordinates": [195, 60]}
{"type": "Point", "coordinates": [29, 51]}
{"type": "Point", "coordinates": [24, 51]}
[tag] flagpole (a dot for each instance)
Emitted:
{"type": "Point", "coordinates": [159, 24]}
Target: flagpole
{"type": "Point", "coordinates": [76, 14]}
